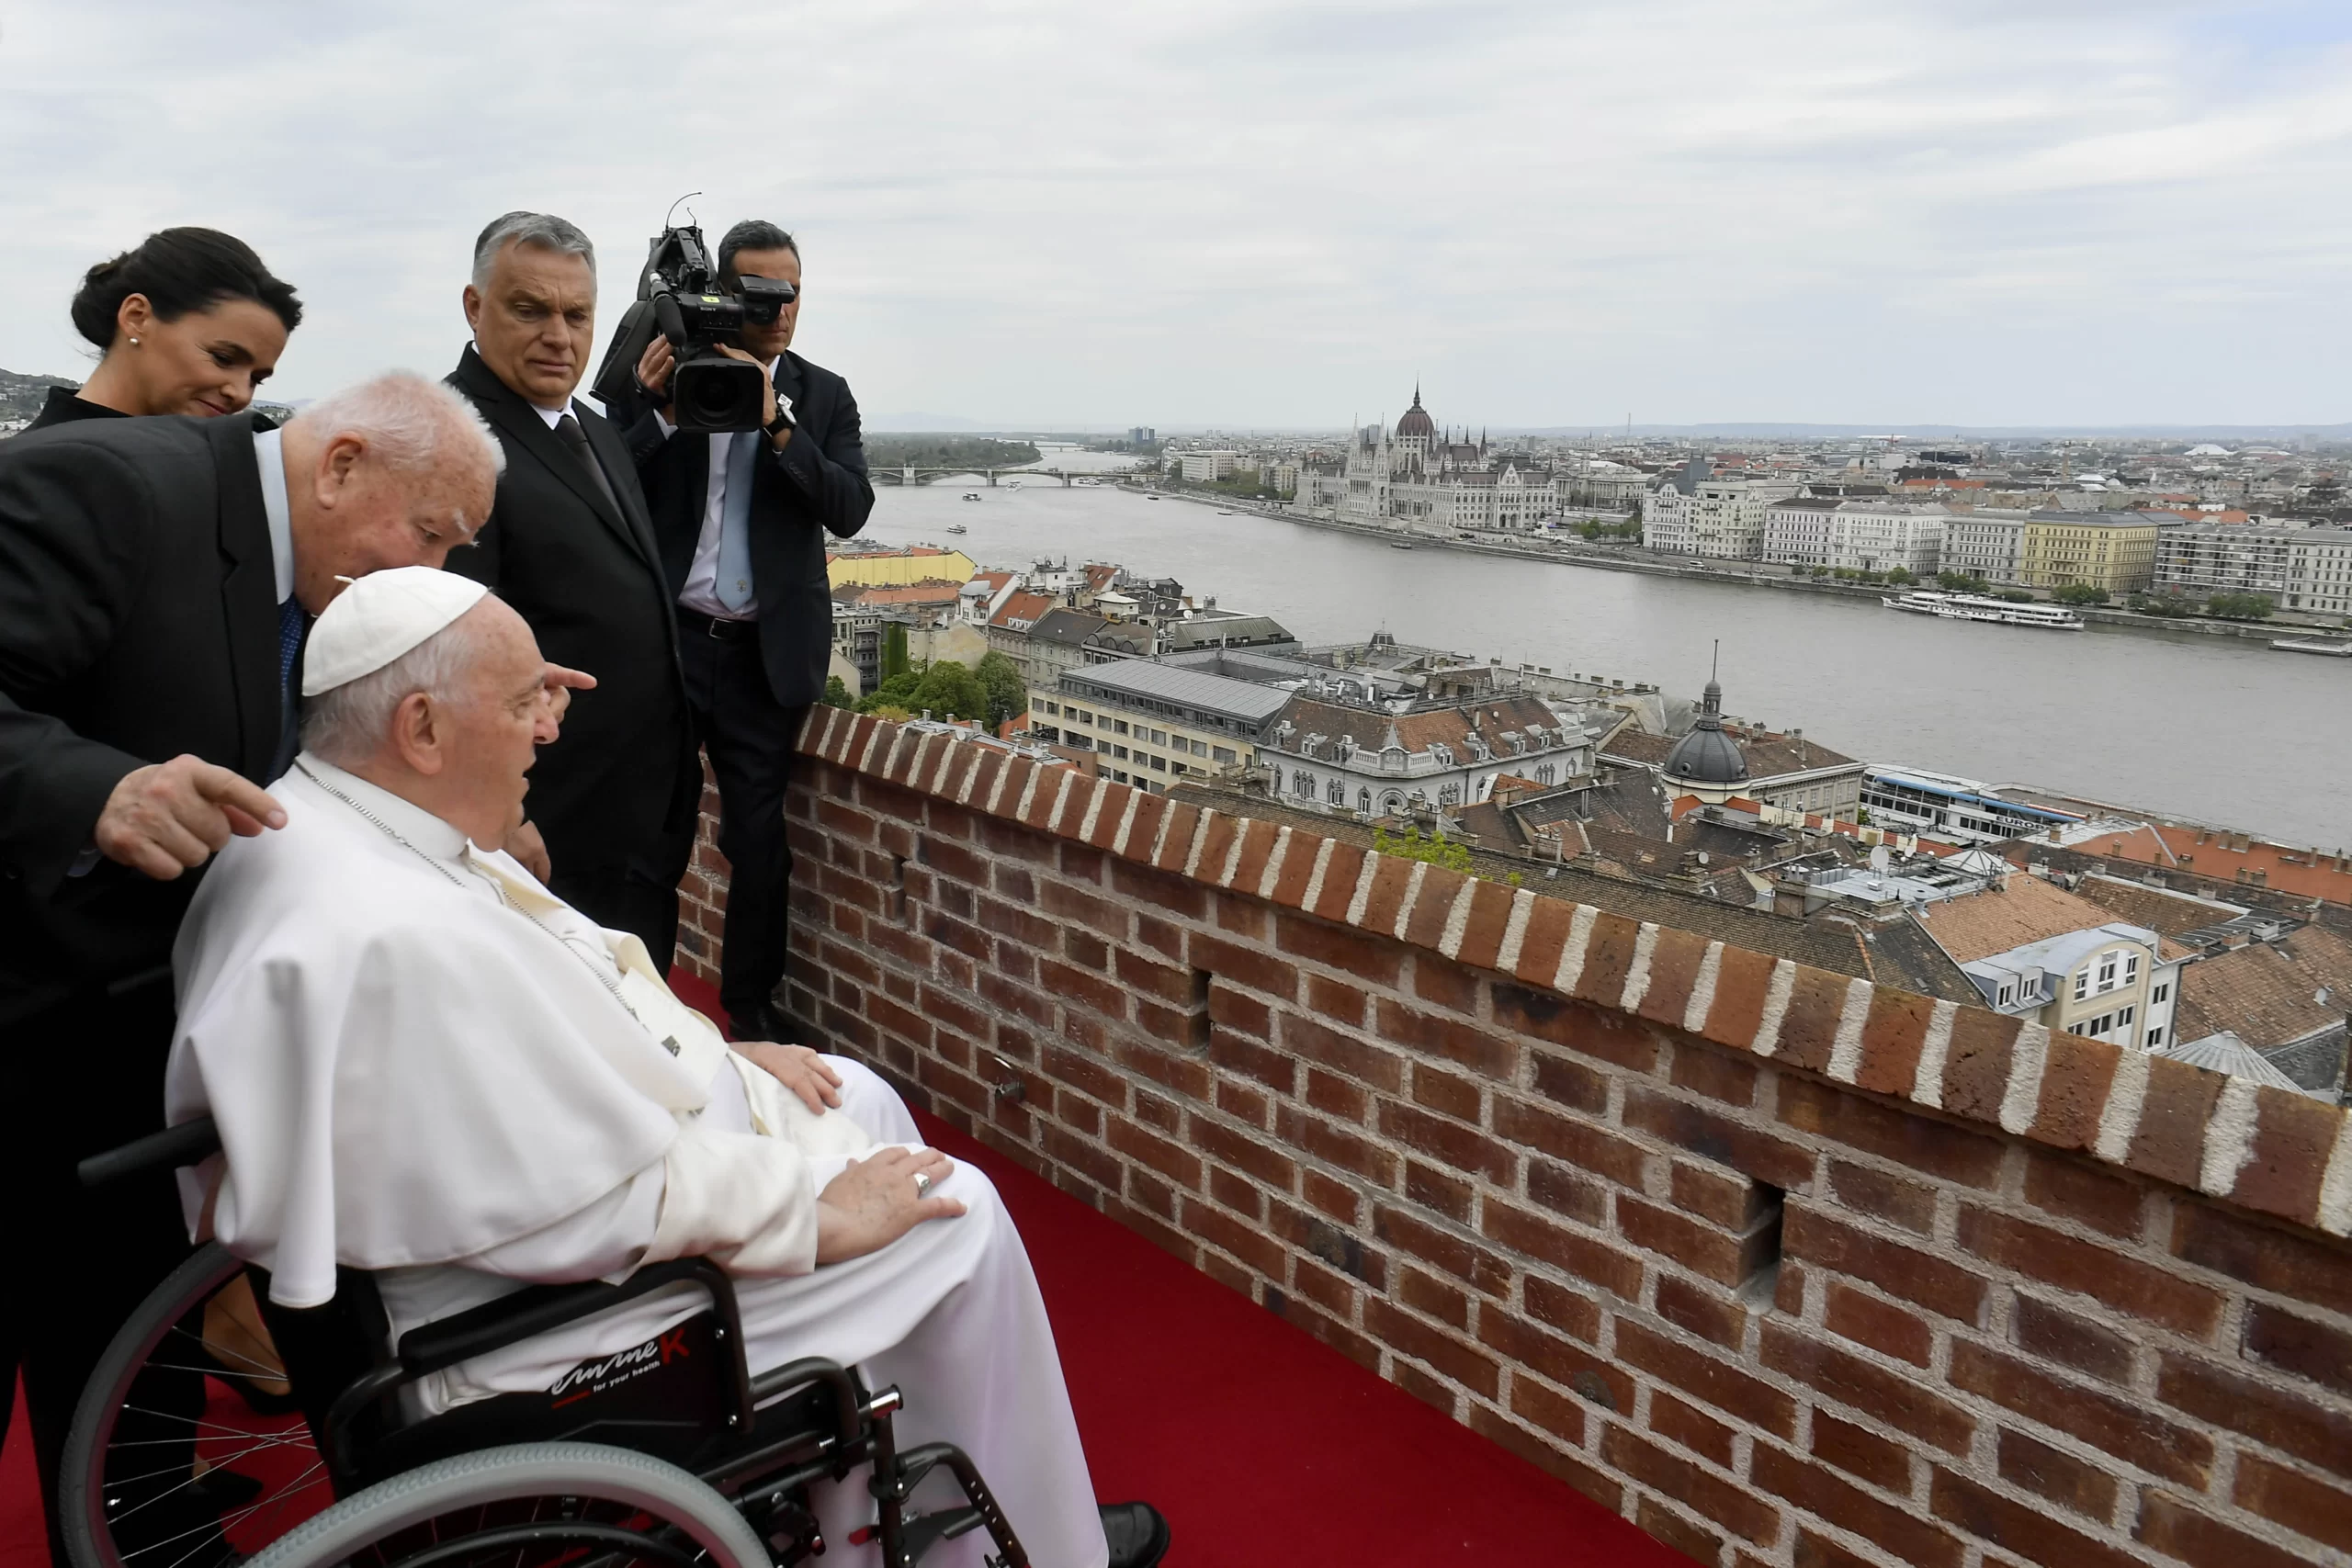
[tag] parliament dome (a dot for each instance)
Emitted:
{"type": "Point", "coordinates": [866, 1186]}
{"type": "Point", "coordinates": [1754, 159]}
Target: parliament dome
{"type": "Point", "coordinates": [1417, 421]}
{"type": "Point", "coordinates": [1707, 755]}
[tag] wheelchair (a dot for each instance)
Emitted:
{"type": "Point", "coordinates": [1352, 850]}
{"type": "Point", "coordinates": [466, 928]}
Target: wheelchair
{"type": "Point", "coordinates": [202, 1443]}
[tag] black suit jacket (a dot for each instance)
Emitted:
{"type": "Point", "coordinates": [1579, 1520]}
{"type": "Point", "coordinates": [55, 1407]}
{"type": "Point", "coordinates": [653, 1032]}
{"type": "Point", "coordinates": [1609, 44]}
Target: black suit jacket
{"type": "Point", "coordinates": [815, 487]}
{"type": "Point", "coordinates": [137, 621]}
{"type": "Point", "coordinates": [617, 793]}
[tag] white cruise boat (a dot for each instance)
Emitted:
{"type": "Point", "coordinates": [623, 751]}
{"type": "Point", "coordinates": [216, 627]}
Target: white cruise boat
{"type": "Point", "coordinates": [1980, 607]}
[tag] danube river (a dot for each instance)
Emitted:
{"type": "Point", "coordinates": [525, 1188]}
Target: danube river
{"type": "Point", "coordinates": [2219, 730]}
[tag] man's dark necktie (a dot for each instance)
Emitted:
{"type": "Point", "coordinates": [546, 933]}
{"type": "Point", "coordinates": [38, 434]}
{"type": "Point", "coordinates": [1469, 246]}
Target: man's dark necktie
{"type": "Point", "coordinates": [292, 624]}
{"type": "Point", "coordinates": [577, 440]}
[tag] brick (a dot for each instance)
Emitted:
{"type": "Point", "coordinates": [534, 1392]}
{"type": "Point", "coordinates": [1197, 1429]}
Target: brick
{"type": "Point", "coordinates": [1243, 1153]}
{"type": "Point", "coordinates": [1971, 1159]}
{"type": "Point", "coordinates": [1730, 1201]}
{"type": "Point", "coordinates": [1365, 1352]}
{"type": "Point", "coordinates": [1814, 1236]}
{"type": "Point", "coordinates": [1599, 1485]}
{"type": "Point", "coordinates": [1578, 1143]}
{"type": "Point", "coordinates": [1338, 881]}
{"type": "Point", "coordinates": [2124, 1426]}
{"type": "Point", "coordinates": [1464, 1260]}
{"type": "Point", "coordinates": [1817, 1491]}
{"type": "Point", "coordinates": [1178, 1165]}
{"type": "Point", "coordinates": [2055, 1334]}
{"type": "Point", "coordinates": [2015, 1527]}
{"type": "Point", "coordinates": [1705, 1250]}
{"type": "Point", "coordinates": [2319, 1433]}
{"type": "Point", "coordinates": [1686, 1424]}
{"type": "Point", "coordinates": [2293, 1138]}
{"type": "Point", "coordinates": [1608, 959]}
{"type": "Point", "coordinates": [1889, 1329]}
{"type": "Point", "coordinates": [2038, 1468]}
{"type": "Point", "coordinates": [1243, 966]}
{"type": "Point", "coordinates": [2075, 1190]}
{"type": "Point", "coordinates": [1165, 981]}
{"type": "Point", "coordinates": [1335, 1145]}
{"type": "Point", "coordinates": [1239, 1012]}
{"type": "Point", "coordinates": [1243, 1240]}
{"type": "Point", "coordinates": [1717, 1074]}
{"type": "Point", "coordinates": [1375, 1065]}
{"type": "Point", "coordinates": [1571, 1084]}
{"type": "Point", "coordinates": [1337, 947]}
{"type": "Point", "coordinates": [1895, 1198]}
{"type": "Point", "coordinates": [2177, 1530]}
{"type": "Point", "coordinates": [1390, 877]}
{"type": "Point", "coordinates": [1448, 985]}
{"type": "Point", "coordinates": [2309, 1507]}
{"type": "Point", "coordinates": [1330, 1196]}
{"type": "Point", "coordinates": [1889, 1397]}
{"type": "Point", "coordinates": [1809, 1026]}
{"type": "Point", "coordinates": [1704, 1313]}
{"type": "Point", "coordinates": [1434, 1392]}
{"type": "Point", "coordinates": [1448, 1143]}
{"type": "Point", "coordinates": [1662, 1523]}
{"type": "Point", "coordinates": [1726, 1502]}
{"type": "Point", "coordinates": [1708, 1379]}
{"type": "Point", "coordinates": [1565, 1192]}
{"type": "Point", "coordinates": [2312, 1271]}
{"type": "Point", "coordinates": [1179, 1073]}
{"type": "Point", "coordinates": [1448, 1093]}
{"type": "Point", "coordinates": [1482, 934]}
{"type": "Point", "coordinates": [2124, 1283]}
{"type": "Point", "coordinates": [1337, 1098]}
{"type": "Point", "coordinates": [1466, 1045]}
{"type": "Point", "coordinates": [1590, 1376]}
{"type": "Point", "coordinates": [1173, 893]}
{"type": "Point", "coordinates": [1239, 1054]}
{"type": "Point", "coordinates": [2170, 1143]}
{"type": "Point", "coordinates": [1861, 1453]}
{"type": "Point", "coordinates": [1234, 1193]}
{"type": "Point", "coordinates": [1074, 985]}
{"type": "Point", "coordinates": [1472, 1368]}
{"type": "Point", "coordinates": [1719, 1138]}
{"type": "Point", "coordinates": [1547, 934]}
{"type": "Point", "coordinates": [1257, 848]}
{"type": "Point", "coordinates": [1336, 1000]}
{"type": "Point", "coordinates": [1452, 1196]}
{"type": "Point", "coordinates": [2076, 1077]}
{"type": "Point", "coordinates": [1895, 1032]}
{"type": "Point", "coordinates": [1592, 1031]}
{"type": "Point", "coordinates": [1597, 1262]}
{"type": "Point", "coordinates": [2300, 1345]}
{"type": "Point", "coordinates": [1566, 1307]}
{"type": "Point", "coordinates": [1818, 1551]}
{"type": "Point", "coordinates": [1434, 1298]}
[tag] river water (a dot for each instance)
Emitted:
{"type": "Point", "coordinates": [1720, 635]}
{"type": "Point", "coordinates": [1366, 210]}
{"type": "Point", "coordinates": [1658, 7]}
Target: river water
{"type": "Point", "coordinates": [2217, 730]}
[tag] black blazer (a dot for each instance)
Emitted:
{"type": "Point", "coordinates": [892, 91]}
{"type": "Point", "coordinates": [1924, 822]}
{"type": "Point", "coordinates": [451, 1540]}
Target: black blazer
{"type": "Point", "coordinates": [137, 621]}
{"type": "Point", "coordinates": [617, 792]}
{"type": "Point", "coordinates": [816, 485]}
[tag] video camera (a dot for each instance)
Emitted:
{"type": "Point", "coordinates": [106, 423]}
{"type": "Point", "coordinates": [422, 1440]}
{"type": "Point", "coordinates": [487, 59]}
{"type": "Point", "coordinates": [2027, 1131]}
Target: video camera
{"type": "Point", "coordinates": [679, 295]}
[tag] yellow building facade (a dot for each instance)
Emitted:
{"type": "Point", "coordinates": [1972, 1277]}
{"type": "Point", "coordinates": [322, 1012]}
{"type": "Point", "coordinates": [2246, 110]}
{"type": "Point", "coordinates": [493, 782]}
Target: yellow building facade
{"type": "Point", "coordinates": [893, 568]}
{"type": "Point", "coordinates": [2089, 549]}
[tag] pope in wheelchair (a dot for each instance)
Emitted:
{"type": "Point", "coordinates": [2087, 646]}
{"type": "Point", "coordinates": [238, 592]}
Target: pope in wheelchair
{"type": "Point", "coordinates": [429, 1072]}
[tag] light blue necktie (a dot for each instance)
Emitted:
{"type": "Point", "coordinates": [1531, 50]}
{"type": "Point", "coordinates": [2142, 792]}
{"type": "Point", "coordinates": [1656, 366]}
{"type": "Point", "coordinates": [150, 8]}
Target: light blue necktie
{"type": "Point", "coordinates": [734, 575]}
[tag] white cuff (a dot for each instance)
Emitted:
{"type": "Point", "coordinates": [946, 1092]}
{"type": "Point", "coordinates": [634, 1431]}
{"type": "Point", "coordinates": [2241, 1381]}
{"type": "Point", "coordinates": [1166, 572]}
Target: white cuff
{"type": "Point", "coordinates": [747, 1203]}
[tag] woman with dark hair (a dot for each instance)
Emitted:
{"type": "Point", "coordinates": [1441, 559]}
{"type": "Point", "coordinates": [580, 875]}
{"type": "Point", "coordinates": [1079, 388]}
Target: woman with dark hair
{"type": "Point", "coordinates": [190, 323]}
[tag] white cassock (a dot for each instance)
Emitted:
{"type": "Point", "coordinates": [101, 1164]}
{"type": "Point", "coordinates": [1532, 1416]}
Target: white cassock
{"type": "Point", "coordinates": [425, 1065]}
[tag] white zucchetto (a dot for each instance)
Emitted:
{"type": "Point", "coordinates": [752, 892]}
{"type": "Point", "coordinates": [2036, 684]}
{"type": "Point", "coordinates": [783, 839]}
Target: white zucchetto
{"type": "Point", "coordinates": [378, 618]}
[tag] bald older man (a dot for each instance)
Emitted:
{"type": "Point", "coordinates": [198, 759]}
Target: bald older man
{"type": "Point", "coordinates": [514, 1095]}
{"type": "Point", "coordinates": [156, 580]}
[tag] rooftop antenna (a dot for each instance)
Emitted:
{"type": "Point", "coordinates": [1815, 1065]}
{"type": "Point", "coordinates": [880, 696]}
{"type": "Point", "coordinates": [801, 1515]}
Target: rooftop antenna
{"type": "Point", "coordinates": [1715, 663]}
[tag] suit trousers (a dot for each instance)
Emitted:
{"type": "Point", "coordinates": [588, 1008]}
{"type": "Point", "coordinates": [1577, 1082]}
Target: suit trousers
{"type": "Point", "coordinates": [92, 1079]}
{"type": "Point", "coordinates": [748, 736]}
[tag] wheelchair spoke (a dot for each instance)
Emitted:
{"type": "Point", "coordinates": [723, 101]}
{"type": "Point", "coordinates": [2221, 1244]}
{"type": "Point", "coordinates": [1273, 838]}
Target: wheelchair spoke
{"type": "Point", "coordinates": [222, 1354]}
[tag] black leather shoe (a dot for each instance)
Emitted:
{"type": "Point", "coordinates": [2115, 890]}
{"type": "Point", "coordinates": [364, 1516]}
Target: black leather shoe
{"type": "Point", "coordinates": [1138, 1533]}
{"type": "Point", "coordinates": [758, 1021]}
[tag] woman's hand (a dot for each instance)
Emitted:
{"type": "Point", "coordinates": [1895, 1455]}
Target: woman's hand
{"type": "Point", "coordinates": [799, 1069]}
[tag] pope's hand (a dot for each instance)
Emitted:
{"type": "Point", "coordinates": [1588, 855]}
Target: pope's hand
{"type": "Point", "coordinates": [163, 818]}
{"type": "Point", "coordinates": [560, 683]}
{"type": "Point", "coordinates": [526, 845]}
{"type": "Point", "coordinates": [875, 1201]}
{"type": "Point", "coordinates": [799, 1069]}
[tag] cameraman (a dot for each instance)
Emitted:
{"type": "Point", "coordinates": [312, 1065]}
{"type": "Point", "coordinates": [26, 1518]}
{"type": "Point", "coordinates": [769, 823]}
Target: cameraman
{"type": "Point", "coordinates": [742, 523]}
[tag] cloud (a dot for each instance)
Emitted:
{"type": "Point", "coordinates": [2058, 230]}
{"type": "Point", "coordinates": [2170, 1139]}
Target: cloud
{"type": "Point", "coordinates": [1278, 215]}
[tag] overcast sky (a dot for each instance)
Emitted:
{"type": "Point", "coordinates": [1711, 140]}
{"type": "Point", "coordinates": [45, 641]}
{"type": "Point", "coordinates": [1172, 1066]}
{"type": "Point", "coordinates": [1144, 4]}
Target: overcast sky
{"type": "Point", "coordinates": [2002, 211]}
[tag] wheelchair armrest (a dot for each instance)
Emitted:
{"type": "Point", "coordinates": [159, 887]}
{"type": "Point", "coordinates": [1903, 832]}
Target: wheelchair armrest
{"type": "Point", "coordinates": [537, 1309]}
{"type": "Point", "coordinates": [187, 1143]}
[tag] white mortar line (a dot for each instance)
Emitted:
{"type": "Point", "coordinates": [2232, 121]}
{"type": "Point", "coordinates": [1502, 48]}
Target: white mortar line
{"type": "Point", "coordinates": [872, 738]}
{"type": "Point", "coordinates": [891, 757]}
{"type": "Point", "coordinates": [1927, 1083]}
{"type": "Point", "coordinates": [1061, 799]}
{"type": "Point", "coordinates": [972, 777]}
{"type": "Point", "coordinates": [1020, 812]}
{"type": "Point", "coordinates": [1127, 823]}
{"type": "Point", "coordinates": [2120, 1120]}
{"type": "Point", "coordinates": [1846, 1050]}
{"type": "Point", "coordinates": [1159, 838]}
{"type": "Point", "coordinates": [1362, 897]}
{"type": "Point", "coordinates": [1004, 777]}
{"type": "Point", "coordinates": [2335, 1188]}
{"type": "Point", "coordinates": [1314, 874]}
{"type": "Point", "coordinates": [1571, 969]}
{"type": "Point", "coordinates": [2028, 1059]}
{"type": "Point", "coordinates": [1200, 842]}
{"type": "Point", "coordinates": [2229, 1138]}
{"type": "Point", "coordinates": [1776, 1008]}
{"type": "Point", "coordinates": [1637, 974]}
{"type": "Point", "coordinates": [946, 765]}
{"type": "Point", "coordinates": [825, 733]}
{"type": "Point", "coordinates": [1094, 807]}
{"type": "Point", "coordinates": [1458, 920]}
{"type": "Point", "coordinates": [1703, 989]}
{"type": "Point", "coordinates": [1232, 866]}
{"type": "Point", "coordinates": [1412, 896]}
{"type": "Point", "coordinates": [1522, 909]}
{"type": "Point", "coordinates": [1273, 872]}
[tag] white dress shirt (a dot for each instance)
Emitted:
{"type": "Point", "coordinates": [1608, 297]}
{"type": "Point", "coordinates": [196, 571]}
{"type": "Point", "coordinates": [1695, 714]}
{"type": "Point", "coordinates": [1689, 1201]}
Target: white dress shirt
{"type": "Point", "coordinates": [269, 452]}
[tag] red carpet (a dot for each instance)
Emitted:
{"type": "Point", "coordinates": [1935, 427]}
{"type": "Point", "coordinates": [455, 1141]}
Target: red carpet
{"type": "Point", "coordinates": [1263, 1445]}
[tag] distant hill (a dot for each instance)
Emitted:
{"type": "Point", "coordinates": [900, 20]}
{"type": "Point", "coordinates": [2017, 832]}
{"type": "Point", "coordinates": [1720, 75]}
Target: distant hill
{"type": "Point", "coordinates": [21, 396]}
{"type": "Point", "coordinates": [946, 451]}
{"type": "Point", "coordinates": [1769, 430]}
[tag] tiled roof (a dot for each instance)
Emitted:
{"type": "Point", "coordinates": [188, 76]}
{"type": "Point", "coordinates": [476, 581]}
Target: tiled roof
{"type": "Point", "coordinates": [1982, 925]}
{"type": "Point", "coordinates": [2267, 992]}
{"type": "Point", "coordinates": [2159, 909]}
{"type": "Point", "coordinates": [934, 590]}
{"type": "Point", "coordinates": [1067, 625]}
{"type": "Point", "coordinates": [2230, 857]}
{"type": "Point", "coordinates": [1769, 755]}
{"type": "Point", "coordinates": [1374, 728]}
{"type": "Point", "coordinates": [1022, 609]}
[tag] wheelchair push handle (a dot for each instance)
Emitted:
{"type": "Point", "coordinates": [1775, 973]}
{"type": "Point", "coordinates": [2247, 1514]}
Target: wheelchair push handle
{"type": "Point", "coordinates": [185, 1144]}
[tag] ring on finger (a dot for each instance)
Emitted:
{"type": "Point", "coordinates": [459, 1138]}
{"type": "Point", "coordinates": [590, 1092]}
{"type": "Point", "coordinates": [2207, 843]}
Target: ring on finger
{"type": "Point", "coordinates": [923, 1184]}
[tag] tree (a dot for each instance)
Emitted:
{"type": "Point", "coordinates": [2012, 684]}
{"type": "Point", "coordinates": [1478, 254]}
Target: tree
{"type": "Point", "coordinates": [837, 694]}
{"type": "Point", "coordinates": [945, 687]}
{"type": "Point", "coordinates": [2240, 606]}
{"type": "Point", "coordinates": [1412, 844]}
{"type": "Point", "coordinates": [1961, 582]}
{"type": "Point", "coordinates": [894, 651]}
{"type": "Point", "coordinates": [2080, 594]}
{"type": "Point", "coordinates": [1901, 578]}
{"type": "Point", "coordinates": [1001, 680]}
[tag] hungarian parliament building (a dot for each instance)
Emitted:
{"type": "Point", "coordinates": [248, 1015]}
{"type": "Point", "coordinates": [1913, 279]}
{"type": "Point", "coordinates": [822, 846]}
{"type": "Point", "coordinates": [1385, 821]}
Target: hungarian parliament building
{"type": "Point", "coordinates": [1418, 477]}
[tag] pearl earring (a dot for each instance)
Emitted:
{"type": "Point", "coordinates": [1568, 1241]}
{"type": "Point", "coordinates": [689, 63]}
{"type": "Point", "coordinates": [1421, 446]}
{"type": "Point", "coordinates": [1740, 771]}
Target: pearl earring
{"type": "Point", "coordinates": [134, 342]}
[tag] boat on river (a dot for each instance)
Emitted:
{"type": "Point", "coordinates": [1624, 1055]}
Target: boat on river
{"type": "Point", "coordinates": [1980, 607]}
{"type": "Point", "coordinates": [2312, 645]}
{"type": "Point", "coordinates": [957, 528]}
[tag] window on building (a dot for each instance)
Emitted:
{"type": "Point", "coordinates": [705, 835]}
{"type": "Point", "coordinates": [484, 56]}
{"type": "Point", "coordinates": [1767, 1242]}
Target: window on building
{"type": "Point", "coordinates": [1158, 764]}
{"type": "Point", "coordinates": [2162, 990]}
{"type": "Point", "coordinates": [1118, 726]}
{"type": "Point", "coordinates": [2130, 968]}
{"type": "Point", "coordinates": [2107, 971]}
{"type": "Point", "coordinates": [1200, 748]}
{"type": "Point", "coordinates": [2082, 983]}
{"type": "Point", "coordinates": [1159, 738]}
{"type": "Point", "coordinates": [2006, 995]}
{"type": "Point", "coordinates": [2124, 1016]}
{"type": "Point", "coordinates": [1364, 800]}
{"type": "Point", "coordinates": [1120, 753]}
{"type": "Point", "coordinates": [1339, 793]}
{"type": "Point", "coordinates": [2155, 1036]}
{"type": "Point", "coordinates": [1221, 754]}
{"type": "Point", "coordinates": [1044, 706]}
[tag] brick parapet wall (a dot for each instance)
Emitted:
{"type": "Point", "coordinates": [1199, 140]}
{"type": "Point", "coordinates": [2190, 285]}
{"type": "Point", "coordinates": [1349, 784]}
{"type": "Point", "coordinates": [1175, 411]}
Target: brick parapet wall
{"type": "Point", "coordinates": [1787, 1268]}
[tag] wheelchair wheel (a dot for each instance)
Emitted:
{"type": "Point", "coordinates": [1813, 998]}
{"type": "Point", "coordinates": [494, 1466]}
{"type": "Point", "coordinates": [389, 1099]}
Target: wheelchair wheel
{"type": "Point", "coordinates": [528, 1506]}
{"type": "Point", "coordinates": [186, 1450]}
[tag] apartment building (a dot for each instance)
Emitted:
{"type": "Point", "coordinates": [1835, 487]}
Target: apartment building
{"type": "Point", "coordinates": [1153, 723]}
{"type": "Point", "coordinates": [2116, 551]}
